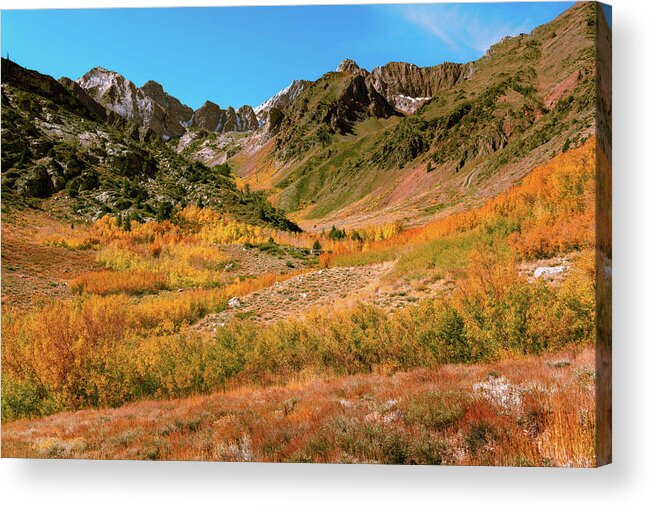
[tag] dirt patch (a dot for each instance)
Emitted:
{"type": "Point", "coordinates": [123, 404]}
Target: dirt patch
{"type": "Point", "coordinates": [326, 288]}
{"type": "Point", "coordinates": [401, 293]}
{"type": "Point", "coordinates": [32, 270]}
{"type": "Point", "coordinates": [253, 262]}
{"type": "Point", "coordinates": [296, 295]}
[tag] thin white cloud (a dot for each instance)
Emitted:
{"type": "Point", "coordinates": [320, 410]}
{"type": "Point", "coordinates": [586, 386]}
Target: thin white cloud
{"type": "Point", "coordinates": [458, 26]}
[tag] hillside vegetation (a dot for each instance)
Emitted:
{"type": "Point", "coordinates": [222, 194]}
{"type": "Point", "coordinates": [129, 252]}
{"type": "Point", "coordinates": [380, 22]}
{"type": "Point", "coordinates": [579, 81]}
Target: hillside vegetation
{"type": "Point", "coordinates": [105, 347]}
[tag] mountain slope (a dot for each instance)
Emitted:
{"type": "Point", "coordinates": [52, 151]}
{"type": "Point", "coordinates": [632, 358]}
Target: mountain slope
{"type": "Point", "coordinates": [486, 124]}
{"type": "Point", "coordinates": [57, 139]}
{"type": "Point", "coordinates": [398, 143]}
{"type": "Point", "coordinates": [331, 105]}
{"type": "Point", "coordinates": [281, 99]}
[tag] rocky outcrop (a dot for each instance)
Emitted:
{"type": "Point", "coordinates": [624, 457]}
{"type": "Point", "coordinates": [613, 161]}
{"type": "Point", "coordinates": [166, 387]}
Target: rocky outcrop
{"type": "Point", "coordinates": [207, 116]}
{"type": "Point", "coordinates": [212, 118]}
{"type": "Point", "coordinates": [116, 93]}
{"type": "Point", "coordinates": [176, 113]}
{"type": "Point", "coordinates": [248, 118]}
{"type": "Point", "coordinates": [407, 86]}
{"type": "Point", "coordinates": [132, 129]}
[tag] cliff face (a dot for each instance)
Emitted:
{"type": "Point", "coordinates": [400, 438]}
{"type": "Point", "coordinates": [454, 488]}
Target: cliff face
{"type": "Point", "coordinates": [407, 86]}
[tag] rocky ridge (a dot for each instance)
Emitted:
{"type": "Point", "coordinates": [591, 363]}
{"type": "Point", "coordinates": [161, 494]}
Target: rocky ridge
{"type": "Point", "coordinates": [212, 118]}
{"type": "Point", "coordinates": [123, 97]}
{"type": "Point", "coordinates": [150, 106]}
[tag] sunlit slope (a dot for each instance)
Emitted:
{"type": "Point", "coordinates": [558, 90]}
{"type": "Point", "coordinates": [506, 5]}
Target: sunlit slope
{"type": "Point", "coordinates": [529, 98]}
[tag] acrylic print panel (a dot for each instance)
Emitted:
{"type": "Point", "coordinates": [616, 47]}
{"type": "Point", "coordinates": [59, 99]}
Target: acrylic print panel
{"type": "Point", "coordinates": [345, 234]}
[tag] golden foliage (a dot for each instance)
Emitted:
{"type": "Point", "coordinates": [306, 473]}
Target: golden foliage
{"type": "Point", "coordinates": [99, 351]}
{"type": "Point", "coordinates": [104, 348]}
{"type": "Point", "coordinates": [550, 212]}
{"type": "Point", "coordinates": [104, 283]}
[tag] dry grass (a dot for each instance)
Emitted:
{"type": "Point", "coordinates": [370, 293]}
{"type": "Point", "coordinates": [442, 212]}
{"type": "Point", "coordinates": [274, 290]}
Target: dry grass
{"type": "Point", "coordinates": [518, 412]}
{"type": "Point", "coordinates": [32, 270]}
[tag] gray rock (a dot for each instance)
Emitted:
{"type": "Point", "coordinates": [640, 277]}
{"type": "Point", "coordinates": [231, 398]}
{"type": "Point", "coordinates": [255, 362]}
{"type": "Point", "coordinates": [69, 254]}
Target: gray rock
{"type": "Point", "coordinates": [548, 271]}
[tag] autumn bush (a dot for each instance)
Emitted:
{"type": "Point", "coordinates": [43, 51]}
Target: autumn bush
{"type": "Point", "coordinates": [197, 228]}
{"type": "Point", "coordinates": [183, 264]}
{"type": "Point", "coordinates": [73, 353]}
{"type": "Point", "coordinates": [105, 351]}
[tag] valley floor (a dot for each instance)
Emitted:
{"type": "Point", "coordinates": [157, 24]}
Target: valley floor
{"type": "Point", "coordinates": [466, 342]}
{"type": "Point", "coordinates": [535, 411]}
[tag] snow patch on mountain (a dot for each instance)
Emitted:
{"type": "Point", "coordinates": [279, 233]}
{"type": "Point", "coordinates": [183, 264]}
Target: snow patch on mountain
{"type": "Point", "coordinates": [280, 99]}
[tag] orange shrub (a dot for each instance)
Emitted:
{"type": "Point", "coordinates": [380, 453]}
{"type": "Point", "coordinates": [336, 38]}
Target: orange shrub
{"type": "Point", "coordinates": [115, 282]}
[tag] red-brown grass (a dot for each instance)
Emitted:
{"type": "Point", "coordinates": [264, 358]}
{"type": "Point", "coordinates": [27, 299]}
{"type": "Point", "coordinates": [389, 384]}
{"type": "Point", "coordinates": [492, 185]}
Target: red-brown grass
{"type": "Point", "coordinates": [359, 418]}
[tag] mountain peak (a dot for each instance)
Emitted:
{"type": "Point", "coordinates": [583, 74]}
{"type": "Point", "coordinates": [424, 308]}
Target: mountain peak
{"type": "Point", "coordinates": [153, 86]}
{"type": "Point", "coordinates": [209, 104]}
{"type": "Point", "coordinates": [101, 74]}
{"type": "Point", "coordinates": [348, 65]}
{"type": "Point", "coordinates": [149, 106]}
{"type": "Point", "coordinates": [212, 118]}
{"type": "Point", "coordinates": [102, 70]}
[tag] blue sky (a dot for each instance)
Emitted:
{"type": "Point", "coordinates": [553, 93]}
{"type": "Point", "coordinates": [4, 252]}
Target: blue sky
{"type": "Point", "coordinates": [243, 55]}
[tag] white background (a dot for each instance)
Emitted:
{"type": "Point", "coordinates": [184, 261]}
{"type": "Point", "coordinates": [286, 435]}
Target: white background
{"type": "Point", "coordinates": [626, 482]}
